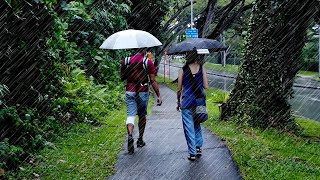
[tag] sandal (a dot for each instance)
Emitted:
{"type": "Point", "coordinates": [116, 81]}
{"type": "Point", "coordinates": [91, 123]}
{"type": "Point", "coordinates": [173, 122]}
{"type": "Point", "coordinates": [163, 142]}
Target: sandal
{"type": "Point", "coordinates": [199, 151]}
{"type": "Point", "coordinates": [192, 157]}
{"type": "Point", "coordinates": [140, 143]}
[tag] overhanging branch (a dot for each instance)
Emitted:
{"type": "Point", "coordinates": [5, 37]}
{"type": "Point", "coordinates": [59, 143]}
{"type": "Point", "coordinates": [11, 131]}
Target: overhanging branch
{"type": "Point", "coordinates": [176, 15]}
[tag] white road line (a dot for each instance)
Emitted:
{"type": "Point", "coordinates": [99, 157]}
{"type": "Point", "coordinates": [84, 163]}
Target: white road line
{"type": "Point", "coordinates": [315, 99]}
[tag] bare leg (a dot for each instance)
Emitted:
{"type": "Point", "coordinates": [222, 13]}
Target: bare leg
{"type": "Point", "coordinates": [130, 129]}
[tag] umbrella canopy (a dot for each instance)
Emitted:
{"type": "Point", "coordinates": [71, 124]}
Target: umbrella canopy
{"type": "Point", "coordinates": [193, 44]}
{"type": "Point", "coordinates": [130, 39]}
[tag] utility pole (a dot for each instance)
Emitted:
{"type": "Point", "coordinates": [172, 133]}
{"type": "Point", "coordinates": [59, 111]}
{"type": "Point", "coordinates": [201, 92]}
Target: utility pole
{"type": "Point", "coordinates": [191, 14]}
{"type": "Point", "coordinates": [319, 48]}
{"type": "Point", "coordinates": [223, 53]}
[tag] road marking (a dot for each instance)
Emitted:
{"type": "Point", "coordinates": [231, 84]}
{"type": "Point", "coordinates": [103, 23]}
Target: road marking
{"type": "Point", "coordinates": [315, 99]}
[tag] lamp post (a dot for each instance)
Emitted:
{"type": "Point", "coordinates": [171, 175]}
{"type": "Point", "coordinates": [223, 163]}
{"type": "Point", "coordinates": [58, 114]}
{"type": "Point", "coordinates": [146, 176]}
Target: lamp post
{"type": "Point", "coordinates": [191, 14]}
{"type": "Point", "coordinates": [319, 48]}
{"type": "Point", "coordinates": [317, 27]}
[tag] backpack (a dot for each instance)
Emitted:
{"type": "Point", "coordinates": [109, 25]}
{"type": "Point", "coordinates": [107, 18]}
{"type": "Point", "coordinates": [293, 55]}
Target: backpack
{"type": "Point", "coordinates": [126, 70]}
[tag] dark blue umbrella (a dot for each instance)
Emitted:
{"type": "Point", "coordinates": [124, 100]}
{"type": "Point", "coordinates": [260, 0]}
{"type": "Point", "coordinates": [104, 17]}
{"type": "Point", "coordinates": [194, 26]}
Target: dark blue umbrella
{"type": "Point", "coordinates": [196, 43]}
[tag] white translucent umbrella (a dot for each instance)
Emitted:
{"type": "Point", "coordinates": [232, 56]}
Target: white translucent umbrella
{"type": "Point", "coordinates": [130, 39]}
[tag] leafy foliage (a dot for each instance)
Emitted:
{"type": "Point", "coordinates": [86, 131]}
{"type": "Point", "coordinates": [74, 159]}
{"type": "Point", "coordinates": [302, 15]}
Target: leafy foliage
{"type": "Point", "coordinates": [220, 98]}
{"type": "Point", "coordinates": [22, 133]}
{"type": "Point", "coordinates": [80, 31]}
{"type": "Point", "coordinates": [21, 49]}
{"type": "Point", "coordinates": [65, 77]}
{"type": "Point", "coordinates": [310, 51]}
{"type": "Point", "coordinates": [91, 102]}
{"type": "Point", "coordinates": [144, 12]}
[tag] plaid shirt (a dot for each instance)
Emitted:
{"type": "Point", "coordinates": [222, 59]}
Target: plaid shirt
{"type": "Point", "coordinates": [137, 73]}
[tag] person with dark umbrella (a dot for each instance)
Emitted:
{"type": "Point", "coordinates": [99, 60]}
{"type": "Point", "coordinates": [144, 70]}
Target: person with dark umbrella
{"type": "Point", "coordinates": [187, 100]}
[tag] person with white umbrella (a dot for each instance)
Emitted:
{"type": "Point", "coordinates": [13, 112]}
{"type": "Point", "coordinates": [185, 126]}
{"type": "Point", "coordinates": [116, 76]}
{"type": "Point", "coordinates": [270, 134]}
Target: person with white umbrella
{"type": "Point", "coordinates": [139, 72]}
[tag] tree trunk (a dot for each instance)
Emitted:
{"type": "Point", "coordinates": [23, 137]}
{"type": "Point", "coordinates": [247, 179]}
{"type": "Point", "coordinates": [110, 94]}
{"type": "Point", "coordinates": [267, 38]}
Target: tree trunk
{"type": "Point", "coordinates": [264, 85]}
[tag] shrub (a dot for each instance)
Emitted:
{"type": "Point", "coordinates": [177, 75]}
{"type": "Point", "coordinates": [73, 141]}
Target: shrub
{"type": "Point", "coordinates": [23, 132]}
{"type": "Point", "coordinates": [88, 100]}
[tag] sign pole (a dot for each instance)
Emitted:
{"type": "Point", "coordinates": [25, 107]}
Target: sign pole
{"type": "Point", "coordinates": [169, 68]}
{"type": "Point", "coordinates": [191, 14]}
{"type": "Point", "coordinates": [164, 70]}
{"type": "Point", "coordinates": [319, 47]}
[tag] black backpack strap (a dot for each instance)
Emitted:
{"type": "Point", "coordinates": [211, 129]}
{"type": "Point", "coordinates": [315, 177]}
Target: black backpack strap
{"type": "Point", "coordinates": [124, 68]}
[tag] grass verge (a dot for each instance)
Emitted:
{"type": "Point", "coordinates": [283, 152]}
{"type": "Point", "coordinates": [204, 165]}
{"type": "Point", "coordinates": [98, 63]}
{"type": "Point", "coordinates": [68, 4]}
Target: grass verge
{"type": "Point", "coordinates": [219, 67]}
{"type": "Point", "coordinates": [229, 68]}
{"type": "Point", "coordinates": [268, 154]}
{"type": "Point", "coordinates": [84, 152]}
{"type": "Point", "coordinates": [308, 73]}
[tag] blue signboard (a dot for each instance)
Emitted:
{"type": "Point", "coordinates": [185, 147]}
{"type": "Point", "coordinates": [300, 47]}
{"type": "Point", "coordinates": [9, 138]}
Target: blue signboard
{"type": "Point", "coordinates": [192, 33]}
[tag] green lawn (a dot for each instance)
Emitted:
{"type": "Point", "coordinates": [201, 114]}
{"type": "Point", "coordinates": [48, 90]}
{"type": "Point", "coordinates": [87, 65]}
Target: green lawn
{"type": "Point", "coordinates": [84, 152]}
{"type": "Point", "coordinates": [219, 67]}
{"type": "Point", "coordinates": [308, 73]}
{"type": "Point", "coordinates": [178, 61]}
{"type": "Point", "coordinates": [267, 154]}
{"type": "Point", "coordinates": [311, 128]}
{"type": "Point", "coordinates": [270, 154]}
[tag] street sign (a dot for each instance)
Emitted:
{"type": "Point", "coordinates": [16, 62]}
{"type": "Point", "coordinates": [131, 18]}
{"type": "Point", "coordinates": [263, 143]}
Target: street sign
{"type": "Point", "coordinates": [191, 33]}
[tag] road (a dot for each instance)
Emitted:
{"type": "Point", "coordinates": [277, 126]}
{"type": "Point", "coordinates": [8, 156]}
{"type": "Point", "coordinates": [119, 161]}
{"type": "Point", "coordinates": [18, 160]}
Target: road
{"type": "Point", "coordinates": [306, 101]}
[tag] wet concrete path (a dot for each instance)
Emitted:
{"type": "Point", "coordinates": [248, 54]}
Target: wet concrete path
{"type": "Point", "coordinates": [165, 155]}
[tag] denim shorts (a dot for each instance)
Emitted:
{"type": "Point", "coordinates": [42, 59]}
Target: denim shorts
{"type": "Point", "coordinates": [137, 105]}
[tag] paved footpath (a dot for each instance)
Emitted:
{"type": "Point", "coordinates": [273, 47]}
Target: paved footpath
{"type": "Point", "coordinates": [165, 155]}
